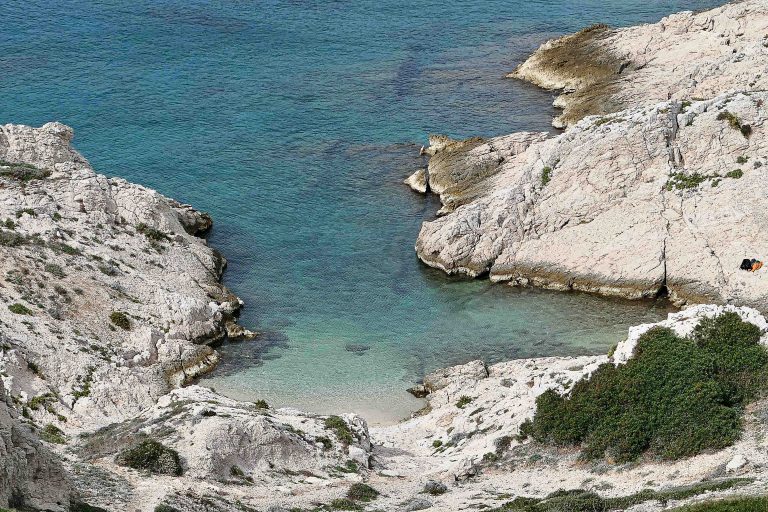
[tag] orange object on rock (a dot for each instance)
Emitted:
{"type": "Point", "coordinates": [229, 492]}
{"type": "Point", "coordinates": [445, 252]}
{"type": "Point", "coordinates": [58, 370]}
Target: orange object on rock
{"type": "Point", "coordinates": [757, 266]}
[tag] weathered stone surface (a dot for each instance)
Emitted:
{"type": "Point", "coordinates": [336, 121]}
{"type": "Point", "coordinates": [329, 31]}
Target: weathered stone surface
{"type": "Point", "coordinates": [31, 476]}
{"type": "Point", "coordinates": [684, 56]}
{"type": "Point", "coordinates": [613, 206]}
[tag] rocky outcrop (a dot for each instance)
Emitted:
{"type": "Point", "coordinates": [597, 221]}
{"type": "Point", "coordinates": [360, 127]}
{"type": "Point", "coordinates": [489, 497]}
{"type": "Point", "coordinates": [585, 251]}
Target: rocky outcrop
{"type": "Point", "coordinates": [660, 198]}
{"type": "Point", "coordinates": [31, 476]}
{"type": "Point", "coordinates": [684, 56]}
{"type": "Point", "coordinates": [467, 436]}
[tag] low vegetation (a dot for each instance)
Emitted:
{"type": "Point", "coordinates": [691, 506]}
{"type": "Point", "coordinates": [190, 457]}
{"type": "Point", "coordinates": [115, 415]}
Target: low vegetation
{"type": "Point", "coordinates": [734, 122]}
{"type": "Point", "coordinates": [675, 398]}
{"type": "Point", "coordinates": [362, 492]}
{"type": "Point", "coordinates": [546, 176]}
{"type": "Point", "coordinates": [53, 434]}
{"type": "Point", "coordinates": [748, 504]}
{"type": "Point", "coordinates": [340, 428]}
{"type": "Point", "coordinates": [22, 172]}
{"type": "Point", "coordinates": [581, 500]}
{"type": "Point", "coordinates": [151, 233]}
{"type": "Point", "coordinates": [152, 456]}
{"type": "Point", "coordinates": [19, 309]}
{"type": "Point", "coordinates": [121, 320]}
{"type": "Point", "coordinates": [463, 401]}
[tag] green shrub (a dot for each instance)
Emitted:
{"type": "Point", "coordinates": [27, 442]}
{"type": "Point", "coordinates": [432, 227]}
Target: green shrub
{"type": "Point", "coordinates": [120, 319]}
{"type": "Point", "coordinates": [682, 181]}
{"type": "Point", "coordinates": [340, 428]}
{"type": "Point", "coordinates": [22, 172]}
{"type": "Point", "coordinates": [742, 159]}
{"type": "Point", "coordinates": [28, 211]}
{"type": "Point", "coordinates": [344, 504]}
{"type": "Point", "coordinates": [79, 506]}
{"type": "Point", "coordinates": [325, 441]}
{"type": "Point", "coordinates": [362, 492]}
{"type": "Point", "coordinates": [151, 456]}
{"type": "Point", "coordinates": [747, 504]}
{"type": "Point", "coordinates": [261, 404]}
{"type": "Point", "coordinates": [546, 176]}
{"type": "Point", "coordinates": [151, 233]}
{"type": "Point", "coordinates": [581, 500]}
{"type": "Point", "coordinates": [736, 174]}
{"type": "Point", "coordinates": [437, 443]}
{"type": "Point", "coordinates": [53, 434]}
{"type": "Point", "coordinates": [675, 398]}
{"type": "Point", "coordinates": [463, 401]}
{"type": "Point", "coordinates": [11, 239]}
{"type": "Point", "coordinates": [19, 309]}
{"type": "Point", "coordinates": [166, 508]}
{"type": "Point", "coordinates": [734, 122]}
{"type": "Point", "coordinates": [54, 270]}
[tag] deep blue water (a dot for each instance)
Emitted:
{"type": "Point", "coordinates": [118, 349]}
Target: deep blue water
{"type": "Point", "coordinates": [293, 123]}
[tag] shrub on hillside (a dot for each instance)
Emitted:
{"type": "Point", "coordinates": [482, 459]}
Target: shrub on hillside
{"type": "Point", "coordinates": [152, 456]}
{"type": "Point", "coordinates": [675, 398]}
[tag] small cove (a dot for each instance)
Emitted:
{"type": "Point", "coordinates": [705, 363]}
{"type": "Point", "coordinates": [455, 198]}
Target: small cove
{"type": "Point", "coordinates": [293, 125]}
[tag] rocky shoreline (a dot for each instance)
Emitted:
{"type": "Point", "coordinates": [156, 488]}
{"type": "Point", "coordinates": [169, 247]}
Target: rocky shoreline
{"type": "Point", "coordinates": [111, 300]}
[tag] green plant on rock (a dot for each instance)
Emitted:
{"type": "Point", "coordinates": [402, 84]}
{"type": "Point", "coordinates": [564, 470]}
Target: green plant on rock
{"type": "Point", "coordinates": [734, 122]}
{"type": "Point", "coordinates": [151, 233]}
{"type": "Point", "coordinates": [463, 401]}
{"type": "Point", "coordinates": [121, 320]}
{"type": "Point", "coordinates": [53, 434]}
{"type": "Point", "coordinates": [19, 309]}
{"type": "Point", "coordinates": [744, 504]}
{"type": "Point", "coordinates": [546, 176]}
{"type": "Point", "coordinates": [22, 172]}
{"type": "Point", "coordinates": [675, 398]}
{"type": "Point", "coordinates": [742, 159]}
{"type": "Point", "coordinates": [581, 500]}
{"type": "Point", "coordinates": [152, 456]}
{"type": "Point", "coordinates": [362, 492]}
{"type": "Point", "coordinates": [340, 428]}
{"type": "Point", "coordinates": [344, 504]}
{"type": "Point", "coordinates": [735, 174]}
{"type": "Point", "coordinates": [166, 508]}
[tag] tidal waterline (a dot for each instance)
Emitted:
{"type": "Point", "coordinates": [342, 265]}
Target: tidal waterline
{"type": "Point", "coordinates": [293, 124]}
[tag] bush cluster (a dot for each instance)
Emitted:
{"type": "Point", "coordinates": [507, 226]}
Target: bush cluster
{"type": "Point", "coordinates": [120, 319]}
{"type": "Point", "coordinates": [675, 398]}
{"type": "Point", "coordinates": [581, 500]}
{"type": "Point", "coordinates": [340, 428]}
{"type": "Point", "coordinates": [152, 456]}
{"type": "Point", "coordinates": [22, 172]}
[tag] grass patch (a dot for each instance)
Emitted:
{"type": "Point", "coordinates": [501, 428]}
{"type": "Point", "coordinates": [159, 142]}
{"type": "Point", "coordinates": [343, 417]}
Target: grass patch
{"type": "Point", "coordinates": [151, 456]}
{"type": "Point", "coordinates": [19, 309]}
{"type": "Point", "coordinates": [53, 434]}
{"type": "Point", "coordinates": [464, 401]}
{"type": "Point", "coordinates": [22, 172]}
{"type": "Point", "coordinates": [546, 176]}
{"type": "Point", "coordinates": [581, 500]}
{"type": "Point", "coordinates": [344, 504]}
{"type": "Point", "coordinates": [742, 159]}
{"type": "Point", "coordinates": [675, 398]}
{"type": "Point", "coordinates": [681, 181]}
{"type": "Point", "coordinates": [734, 122]}
{"type": "Point", "coordinates": [749, 504]}
{"type": "Point", "coordinates": [362, 492]}
{"type": "Point", "coordinates": [735, 174]}
{"type": "Point", "coordinates": [151, 233]}
{"type": "Point", "coordinates": [11, 239]}
{"type": "Point", "coordinates": [120, 319]}
{"type": "Point", "coordinates": [340, 428]}
{"type": "Point", "coordinates": [55, 270]}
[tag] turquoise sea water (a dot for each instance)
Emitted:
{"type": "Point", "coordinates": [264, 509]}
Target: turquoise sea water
{"type": "Point", "coordinates": [293, 123]}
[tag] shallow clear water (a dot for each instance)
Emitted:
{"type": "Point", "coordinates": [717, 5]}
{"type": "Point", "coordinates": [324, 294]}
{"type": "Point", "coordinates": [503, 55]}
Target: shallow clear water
{"type": "Point", "coordinates": [294, 124]}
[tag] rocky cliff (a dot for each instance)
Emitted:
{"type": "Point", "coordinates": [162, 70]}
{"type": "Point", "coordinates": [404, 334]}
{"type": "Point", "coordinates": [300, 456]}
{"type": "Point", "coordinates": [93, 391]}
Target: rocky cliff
{"type": "Point", "coordinates": [109, 302]}
{"type": "Point", "coordinates": [662, 197]}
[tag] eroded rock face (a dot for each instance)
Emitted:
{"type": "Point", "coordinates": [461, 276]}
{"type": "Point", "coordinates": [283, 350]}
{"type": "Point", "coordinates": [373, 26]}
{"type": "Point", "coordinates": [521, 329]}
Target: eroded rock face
{"type": "Point", "coordinates": [31, 476]}
{"type": "Point", "coordinates": [626, 204]}
{"type": "Point", "coordinates": [77, 248]}
{"type": "Point", "coordinates": [684, 56]}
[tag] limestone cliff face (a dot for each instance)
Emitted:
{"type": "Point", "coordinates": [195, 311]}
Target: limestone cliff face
{"type": "Point", "coordinates": [625, 204]}
{"type": "Point", "coordinates": [685, 56]}
{"type": "Point", "coordinates": [31, 476]}
{"type": "Point", "coordinates": [109, 299]}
